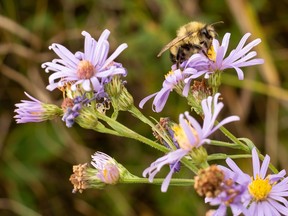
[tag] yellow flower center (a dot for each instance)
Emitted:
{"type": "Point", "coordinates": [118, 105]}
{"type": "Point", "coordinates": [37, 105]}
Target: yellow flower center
{"type": "Point", "coordinates": [170, 73]}
{"type": "Point", "coordinates": [259, 188]}
{"type": "Point", "coordinates": [182, 138]}
{"type": "Point", "coordinates": [211, 53]}
{"type": "Point", "coordinates": [85, 69]}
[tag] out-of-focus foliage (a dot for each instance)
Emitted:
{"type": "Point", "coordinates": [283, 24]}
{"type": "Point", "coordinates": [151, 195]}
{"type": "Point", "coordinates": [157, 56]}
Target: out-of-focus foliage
{"type": "Point", "coordinates": [36, 159]}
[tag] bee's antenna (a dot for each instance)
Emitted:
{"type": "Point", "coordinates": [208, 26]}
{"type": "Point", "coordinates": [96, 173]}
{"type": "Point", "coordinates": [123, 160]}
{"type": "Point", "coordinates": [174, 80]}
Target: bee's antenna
{"type": "Point", "coordinates": [219, 22]}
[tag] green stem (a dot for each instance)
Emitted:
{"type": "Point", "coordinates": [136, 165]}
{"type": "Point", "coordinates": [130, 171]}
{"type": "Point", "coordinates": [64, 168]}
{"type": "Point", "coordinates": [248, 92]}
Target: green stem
{"type": "Point", "coordinates": [221, 156]}
{"type": "Point", "coordinates": [224, 144]}
{"type": "Point", "coordinates": [189, 165]}
{"type": "Point", "coordinates": [138, 114]}
{"type": "Point", "coordinates": [127, 132]}
{"type": "Point", "coordinates": [158, 181]}
{"type": "Point", "coordinates": [245, 147]}
{"type": "Point", "coordinates": [107, 131]}
{"type": "Point", "coordinates": [228, 134]}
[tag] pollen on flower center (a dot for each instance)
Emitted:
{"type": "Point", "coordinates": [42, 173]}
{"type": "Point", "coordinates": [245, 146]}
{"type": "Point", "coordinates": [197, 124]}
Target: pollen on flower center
{"type": "Point", "coordinates": [85, 70]}
{"type": "Point", "coordinates": [169, 74]}
{"type": "Point", "coordinates": [211, 53]}
{"type": "Point", "coordinates": [182, 138]}
{"type": "Point", "coordinates": [259, 188]}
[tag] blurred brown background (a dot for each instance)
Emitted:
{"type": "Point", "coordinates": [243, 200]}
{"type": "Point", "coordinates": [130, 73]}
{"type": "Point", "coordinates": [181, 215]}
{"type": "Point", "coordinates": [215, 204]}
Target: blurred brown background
{"type": "Point", "coordinates": [36, 159]}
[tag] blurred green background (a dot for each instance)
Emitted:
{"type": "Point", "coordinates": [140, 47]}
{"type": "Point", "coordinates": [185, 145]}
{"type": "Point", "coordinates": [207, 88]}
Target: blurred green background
{"type": "Point", "coordinates": [36, 159]}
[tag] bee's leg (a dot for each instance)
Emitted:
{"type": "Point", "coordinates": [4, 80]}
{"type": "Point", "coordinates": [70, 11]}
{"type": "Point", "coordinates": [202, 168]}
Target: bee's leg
{"type": "Point", "coordinates": [205, 53]}
{"type": "Point", "coordinates": [173, 58]}
{"type": "Point", "coordinates": [181, 55]}
{"type": "Point", "coordinates": [176, 59]}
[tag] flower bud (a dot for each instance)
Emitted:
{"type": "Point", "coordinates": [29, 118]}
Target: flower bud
{"type": "Point", "coordinates": [104, 170]}
{"type": "Point", "coordinates": [120, 97]}
{"type": "Point", "coordinates": [35, 111]}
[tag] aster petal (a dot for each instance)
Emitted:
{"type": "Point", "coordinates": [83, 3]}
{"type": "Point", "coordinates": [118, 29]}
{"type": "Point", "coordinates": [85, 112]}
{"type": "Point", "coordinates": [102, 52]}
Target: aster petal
{"type": "Point", "coordinates": [143, 101]}
{"type": "Point", "coordinates": [256, 163]}
{"type": "Point", "coordinates": [187, 129]}
{"type": "Point", "coordinates": [264, 167]}
{"type": "Point", "coordinates": [245, 58]}
{"type": "Point", "coordinates": [194, 123]}
{"type": "Point", "coordinates": [215, 44]}
{"type": "Point", "coordinates": [221, 211]}
{"type": "Point", "coordinates": [225, 121]}
{"type": "Point", "coordinates": [74, 86]}
{"type": "Point", "coordinates": [236, 209]}
{"type": "Point", "coordinates": [243, 177]}
{"type": "Point", "coordinates": [194, 74]}
{"type": "Point", "coordinates": [278, 197]}
{"type": "Point", "coordinates": [221, 51]}
{"type": "Point", "coordinates": [86, 85]}
{"type": "Point", "coordinates": [54, 66]}
{"type": "Point", "coordinates": [89, 46]}
{"type": "Point", "coordinates": [240, 73]}
{"type": "Point", "coordinates": [280, 208]}
{"type": "Point", "coordinates": [208, 113]}
{"type": "Point", "coordinates": [102, 54]}
{"type": "Point", "coordinates": [100, 45]}
{"type": "Point", "coordinates": [263, 209]}
{"type": "Point", "coordinates": [253, 209]}
{"type": "Point", "coordinates": [225, 43]}
{"type": "Point", "coordinates": [169, 158]}
{"type": "Point", "coordinates": [251, 62]}
{"type": "Point", "coordinates": [59, 75]}
{"type": "Point", "coordinates": [186, 88]}
{"type": "Point", "coordinates": [96, 84]}
{"type": "Point", "coordinates": [160, 100]}
{"type": "Point", "coordinates": [242, 41]}
{"type": "Point", "coordinates": [115, 54]}
{"type": "Point", "coordinates": [233, 54]}
{"type": "Point", "coordinates": [244, 51]}
{"type": "Point", "coordinates": [276, 177]}
{"type": "Point", "coordinates": [167, 179]}
{"type": "Point", "coordinates": [65, 54]}
{"type": "Point", "coordinates": [271, 210]}
{"type": "Point", "coordinates": [171, 80]}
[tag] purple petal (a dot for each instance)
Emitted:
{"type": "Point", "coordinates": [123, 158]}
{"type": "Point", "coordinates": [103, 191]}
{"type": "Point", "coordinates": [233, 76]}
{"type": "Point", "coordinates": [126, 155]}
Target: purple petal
{"type": "Point", "coordinates": [256, 163]}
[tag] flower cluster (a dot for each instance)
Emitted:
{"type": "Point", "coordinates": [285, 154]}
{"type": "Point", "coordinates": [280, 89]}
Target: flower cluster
{"type": "Point", "coordinates": [189, 134]}
{"type": "Point", "coordinates": [198, 65]}
{"type": "Point", "coordinates": [83, 78]}
{"type": "Point", "coordinates": [260, 194]}
{"type": "Point", "coordinates": [92, 83]}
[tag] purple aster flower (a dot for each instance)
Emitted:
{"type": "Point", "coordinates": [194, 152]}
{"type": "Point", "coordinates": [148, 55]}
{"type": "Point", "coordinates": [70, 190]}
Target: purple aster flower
{"type": "Point", "coordinates": [35, 111]}
{"type": "Point", "coordinates": [108, 171]}
{"type": "Point", "coordinates": [105, 171]}
{"type": "Point", "coordinates": [173, 80]}
{"type": "Point", "coordinates": [88, 68]}
{"type": "Point", "coordinates": [240, 57]}
{"type": "Point", "coordinates": [189, 134]}
{"type": "Point", "coordinates": [263, 194]}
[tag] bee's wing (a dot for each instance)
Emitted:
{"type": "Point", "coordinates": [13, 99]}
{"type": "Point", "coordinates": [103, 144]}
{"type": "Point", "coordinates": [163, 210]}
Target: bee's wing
{"type": "Point", "coordinates": [172, 43]}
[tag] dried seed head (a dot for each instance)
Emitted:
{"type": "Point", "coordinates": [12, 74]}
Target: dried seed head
{"type": "Point", "coordinates": [208, 181]}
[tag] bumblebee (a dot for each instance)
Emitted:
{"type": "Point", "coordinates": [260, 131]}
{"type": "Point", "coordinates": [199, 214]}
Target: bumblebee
{"type": "Point", "coordinates": [194, 37]}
